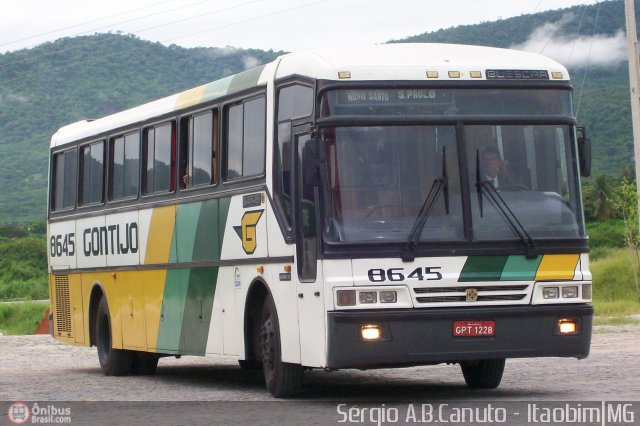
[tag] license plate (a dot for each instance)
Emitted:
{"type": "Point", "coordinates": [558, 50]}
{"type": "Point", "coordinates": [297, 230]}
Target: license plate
{"type": "Point", "coordinates": [474, 328]}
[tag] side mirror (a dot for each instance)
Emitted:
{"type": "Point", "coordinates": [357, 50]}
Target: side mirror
{"type": "Point", "coordinates": [311, 163]}
{"type": "Point", "coordinates": [584, 152]}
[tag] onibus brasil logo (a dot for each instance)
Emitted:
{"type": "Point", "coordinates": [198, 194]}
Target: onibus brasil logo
{"type": "Point", "coordinates": [19, 413]}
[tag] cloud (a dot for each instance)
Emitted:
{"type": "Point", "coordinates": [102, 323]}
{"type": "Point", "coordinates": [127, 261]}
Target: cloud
{"type": "Point", "coordinates": [250, 62]}
{"type": "Point", "coordinates": [576, 52]}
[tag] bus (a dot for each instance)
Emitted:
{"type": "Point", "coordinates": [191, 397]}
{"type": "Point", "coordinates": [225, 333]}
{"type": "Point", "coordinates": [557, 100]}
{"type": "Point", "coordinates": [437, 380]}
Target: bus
{"type": "Point", "coordinates": [389, 206]}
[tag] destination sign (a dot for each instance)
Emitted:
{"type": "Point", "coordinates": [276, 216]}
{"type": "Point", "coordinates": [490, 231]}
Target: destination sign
{"type": "Point", "coordinates": [351, 97]}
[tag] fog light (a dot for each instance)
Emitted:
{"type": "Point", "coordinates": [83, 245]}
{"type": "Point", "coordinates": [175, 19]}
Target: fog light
{"type": "Point", "coordinates": [586, 291]}
{"type": "Point", "coordinates": [346, 297]}
{"type": "Point", "coordinates": [368, 297]}
{"type": "Point", "coordinates": [570, 292]}
{"type": "Point", "coordinates": [388, 297]}
{"type": "Point", "coordinates": [567, 326]}
{"type": "Point", "coordinates": [371, 332]}
{"type": "Point", "coordinates": [551, 292]}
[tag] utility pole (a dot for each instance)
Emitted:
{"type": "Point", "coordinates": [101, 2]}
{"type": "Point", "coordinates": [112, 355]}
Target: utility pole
{"type": "Point", "coordinates": [634, 85]}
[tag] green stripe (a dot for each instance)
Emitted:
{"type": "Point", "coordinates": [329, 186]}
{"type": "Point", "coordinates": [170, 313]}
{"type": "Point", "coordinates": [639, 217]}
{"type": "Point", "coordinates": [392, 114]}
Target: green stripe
{"type": "Point", "coordinates": [483, 268]}
{"type": "Point", "coordinates": [245, 80]}
{"type": "Point", "coordinates": [186, 227]}
{"type": "Point", "coordinates": [189, 293]}
{"type": "Point", "coordinates": [173, 302]}
{"type": "Point", "coordinates": [206, 245]}
{"type": "Point", "coordinates": [198, 310]}
{"type": "Point", "coordinates": [519, 268]}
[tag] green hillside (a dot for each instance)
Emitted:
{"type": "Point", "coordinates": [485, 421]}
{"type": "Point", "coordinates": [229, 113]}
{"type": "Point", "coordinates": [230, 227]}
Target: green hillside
{"type": "Point", "coordinates": [71, 79]}
{"type": "Point", "coordinates": [54, 84]}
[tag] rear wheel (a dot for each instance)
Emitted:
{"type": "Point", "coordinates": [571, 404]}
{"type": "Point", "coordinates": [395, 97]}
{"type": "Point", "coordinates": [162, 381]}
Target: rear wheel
{"type": "Point", "coordinates": [485, 374]}
{"type": "Point", "coordinates": [114, 362]}
{"type": "Point", "coordinates": [282, 379]}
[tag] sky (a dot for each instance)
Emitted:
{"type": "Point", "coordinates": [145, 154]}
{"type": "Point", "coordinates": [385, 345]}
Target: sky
{"type": "Point", "coordinates": [264, 24]}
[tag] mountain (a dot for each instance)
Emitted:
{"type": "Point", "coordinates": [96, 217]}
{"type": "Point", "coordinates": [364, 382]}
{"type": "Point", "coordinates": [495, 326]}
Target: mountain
{"type": "Point", "coordinates": [71, 79]}
{"type": "Point", "coordinates": [57, 83]}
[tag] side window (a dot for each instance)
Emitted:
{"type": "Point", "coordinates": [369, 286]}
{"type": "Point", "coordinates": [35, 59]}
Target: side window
{"type": "Point", "coordinates": [199, 144]}
{"type": "Point", "coordinates": [294, 101]}
{"type": "Point", "coordinates": [159, 158]}
{"type": "Point", "coordinates": [246, 122]}
{"type": "Point", "coordinates": [64, 180]}
{"type": "Point", "coordinates": [91, 173]}
{"type": "Point", "coordinates": [124, 164]}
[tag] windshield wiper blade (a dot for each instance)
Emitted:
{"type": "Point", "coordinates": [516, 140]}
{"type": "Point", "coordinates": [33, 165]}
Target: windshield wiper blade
{"type": "Point", "coordinates": [439, 185]}
{"type": "Point", "coordinates": [485, 187]}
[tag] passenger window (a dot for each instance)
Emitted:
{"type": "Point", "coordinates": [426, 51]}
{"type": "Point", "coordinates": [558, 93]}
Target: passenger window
{"type": "Point", "coordinates": [246, 124]}
{"type": "Point", "coordinates": [64, 180]}
{"type": "Point", "coordinates": [92, 173]}
{"type": "Point", "coordinates": [199, 148]}
{"type": "Point", "coordinates": [125, 166]}
{"type": "Point", "coordinates": [159, 156]}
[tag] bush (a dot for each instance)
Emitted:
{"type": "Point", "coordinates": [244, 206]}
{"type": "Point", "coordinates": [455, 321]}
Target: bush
{"type": "Point", "coordinates": [613, 278]}
{"type": "Point", "coordinates": [608, 234]}
{"type": "Point", "coordinates": [22, 318]}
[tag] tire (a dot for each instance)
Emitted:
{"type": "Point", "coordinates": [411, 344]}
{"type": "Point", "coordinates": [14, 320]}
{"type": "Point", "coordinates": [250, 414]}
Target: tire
{"type": "Point", "coordinates": [485, 374]}
{"type": "Point", "coordinates": [114, 362]}
{"type": "Point", "coordinates": [282, 379]}
{"type": "Point", "coordinates": [144, 364]}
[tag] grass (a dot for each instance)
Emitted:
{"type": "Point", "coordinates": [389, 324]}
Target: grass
{"type": "Point", "coordinates": [21, 318]}
{"type": "Point", "coordinates": [615, 294]}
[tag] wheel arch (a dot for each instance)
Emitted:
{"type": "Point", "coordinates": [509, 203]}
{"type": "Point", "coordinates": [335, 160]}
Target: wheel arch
{"type": "Point", "coordinates": [97, 293]}
{"type": "Point", "coordinates": [256, 295]}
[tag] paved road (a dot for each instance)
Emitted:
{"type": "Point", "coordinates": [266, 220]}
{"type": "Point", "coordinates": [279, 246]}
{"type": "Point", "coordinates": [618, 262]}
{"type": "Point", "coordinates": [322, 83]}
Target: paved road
{"type": "Point", "coordinates": [38, 368]}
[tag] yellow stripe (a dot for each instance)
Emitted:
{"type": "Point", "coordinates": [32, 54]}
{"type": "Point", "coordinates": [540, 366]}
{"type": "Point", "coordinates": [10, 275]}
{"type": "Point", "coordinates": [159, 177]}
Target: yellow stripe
{"type": "Point", "coordinates": [557, 267]}
{"type": "Point", "coordinates": [153, 292]}
{"type": "Point", "coordinates": [163, 220]}
{"type": "Point", "coordinates": [190, 97]}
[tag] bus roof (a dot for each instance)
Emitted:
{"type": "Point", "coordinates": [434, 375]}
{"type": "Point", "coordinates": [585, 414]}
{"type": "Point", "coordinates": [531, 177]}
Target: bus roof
{"type": "Point", "coordinates": [399, 61]}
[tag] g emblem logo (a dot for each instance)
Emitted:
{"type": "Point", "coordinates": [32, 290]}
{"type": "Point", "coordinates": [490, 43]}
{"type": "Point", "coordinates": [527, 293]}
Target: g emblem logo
{"type": "Point", "coordinates": [247, 230]}
{"type": "Point", "coordinates": [472, 295]}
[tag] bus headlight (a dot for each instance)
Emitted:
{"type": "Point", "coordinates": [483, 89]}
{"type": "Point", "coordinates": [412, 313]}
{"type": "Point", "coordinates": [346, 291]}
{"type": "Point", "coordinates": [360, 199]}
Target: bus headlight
{"type": "Point", "coordinates": [368, 297]}
{"type": "Point", "coordinates": [551, 292]}
{"type": "Point", "coordinates": [570, 292]}
{"type": "Point", "coordinates": [388, 297]}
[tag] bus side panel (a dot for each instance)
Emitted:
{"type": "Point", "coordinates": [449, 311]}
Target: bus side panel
{"type": "Point", "coordinates": [154, 282]}
{"type": "Point", "coordinates": [109, 285]}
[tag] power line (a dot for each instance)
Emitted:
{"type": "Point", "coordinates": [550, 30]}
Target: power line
{"type": "Point", "coordinates": [586, 69]}
{"type": "Point", "coordinates": [139, 31]}
{"type": "Point", "coordinates": [169, 40]}
{"type": "Point", "coordinates": [246, 20]}
{"type": "Point", "coordinates": [82, 23]}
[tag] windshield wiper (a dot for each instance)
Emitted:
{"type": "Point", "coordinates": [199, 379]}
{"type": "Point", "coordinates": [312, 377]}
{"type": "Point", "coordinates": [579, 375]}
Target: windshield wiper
{"type": "Point", "coordinates": [485, 187]}
{"type": "Point", "coordinates": [439, 185]}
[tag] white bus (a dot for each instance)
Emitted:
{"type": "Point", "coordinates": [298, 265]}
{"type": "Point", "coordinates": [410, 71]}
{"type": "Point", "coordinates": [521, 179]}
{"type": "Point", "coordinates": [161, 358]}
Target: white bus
{"type": "Point", "coordinates": [398, 205]}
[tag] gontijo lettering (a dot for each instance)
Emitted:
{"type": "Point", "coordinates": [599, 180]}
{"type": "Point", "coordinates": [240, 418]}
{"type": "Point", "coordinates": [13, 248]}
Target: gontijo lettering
{"type": "Point", "coordinates": [112, 239]}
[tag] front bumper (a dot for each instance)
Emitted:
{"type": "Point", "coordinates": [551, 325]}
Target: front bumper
{"type": "Point", "coordinates": [416, 337]}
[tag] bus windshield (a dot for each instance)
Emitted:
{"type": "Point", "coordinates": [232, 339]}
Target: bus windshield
{"type": "Point", "coordinates": [378, 178]}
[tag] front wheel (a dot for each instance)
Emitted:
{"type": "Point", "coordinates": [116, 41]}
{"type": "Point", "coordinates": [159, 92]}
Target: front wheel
{"type": "Point", "coordinates": [282, 379]}
{"type": "Point", "coordinates": [114, 362]}
{"type": "Point", "coordinates": [485, 374]}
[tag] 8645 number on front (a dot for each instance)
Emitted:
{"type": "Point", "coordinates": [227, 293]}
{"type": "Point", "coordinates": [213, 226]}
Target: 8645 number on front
{"type": "Point", "coordinates": [399, 274]}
